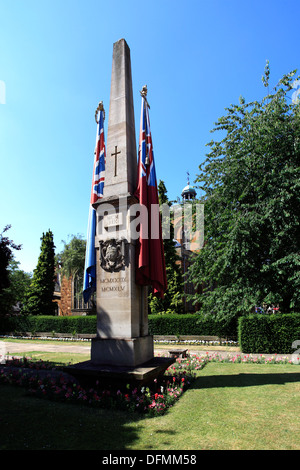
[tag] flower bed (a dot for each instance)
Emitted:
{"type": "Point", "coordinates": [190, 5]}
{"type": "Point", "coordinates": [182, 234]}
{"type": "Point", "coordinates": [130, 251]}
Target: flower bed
{"type": "Point", "coordinates": [27, 363]}
{"type": "Point", "coordinates": [153, 400]}
{"type": "Point", "coordinates": [249, 358]}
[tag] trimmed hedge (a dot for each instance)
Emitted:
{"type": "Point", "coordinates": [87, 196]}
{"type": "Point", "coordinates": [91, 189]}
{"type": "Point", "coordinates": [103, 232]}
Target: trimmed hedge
{"type": "Point", "coordinates": [178, 325]}
{"type": "Point", "coordinates": [268, 334]}
{"type": "Point", "coordinates": [190, 324]}
{"type": "Point", "coordinates": [50, 324]}
{"type": "Point", "coordinates": [257, 334]}
{"type": "Point", "coordinates": [172, 324]}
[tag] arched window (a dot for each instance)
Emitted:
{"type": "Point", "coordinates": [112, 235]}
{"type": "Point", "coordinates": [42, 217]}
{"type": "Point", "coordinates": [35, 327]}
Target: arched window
{"type": "Point", "coordinates": [78, 303]}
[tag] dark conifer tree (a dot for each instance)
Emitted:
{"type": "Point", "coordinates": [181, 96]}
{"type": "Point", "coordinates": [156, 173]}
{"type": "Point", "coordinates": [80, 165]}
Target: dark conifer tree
{"type": "Point", "coordinates": [39, 298]}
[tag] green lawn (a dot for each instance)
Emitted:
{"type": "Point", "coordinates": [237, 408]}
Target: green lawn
{"type": "Point", "coordinates": [230, 406]}
{"type": "Point", "coordinates": [61, 358]}
{"type": "Point", "coordinates": [55, 357]}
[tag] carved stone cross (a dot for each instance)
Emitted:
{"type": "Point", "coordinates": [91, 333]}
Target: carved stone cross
{"type": "Point", "coordinates": [115, 155]}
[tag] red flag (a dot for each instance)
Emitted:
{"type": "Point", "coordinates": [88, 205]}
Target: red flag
{"type": "Point", "coordinates": [151, 268]}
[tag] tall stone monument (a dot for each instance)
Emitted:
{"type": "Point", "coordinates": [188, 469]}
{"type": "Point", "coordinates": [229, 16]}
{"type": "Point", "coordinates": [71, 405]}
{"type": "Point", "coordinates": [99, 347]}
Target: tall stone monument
{"type": "Point", "coordinates": [122, 317]}
{"type": "Point", "coordinates": [122, 349]}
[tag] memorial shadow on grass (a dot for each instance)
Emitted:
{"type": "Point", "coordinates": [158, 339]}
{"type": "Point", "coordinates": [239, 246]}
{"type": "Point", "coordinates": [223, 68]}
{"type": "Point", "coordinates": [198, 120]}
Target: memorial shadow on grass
{"type": "Point", "coordinates": [29, 423]}
{"type": "Point", "coordinates": [245, 380]}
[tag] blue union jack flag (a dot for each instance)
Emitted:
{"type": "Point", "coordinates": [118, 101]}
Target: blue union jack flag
{"type": "Point", "coordinates": [89, 281]}
{"type": "Point", "coordinates": [147, 166]}
{"type": "Point", "coordinates": [99, 164]}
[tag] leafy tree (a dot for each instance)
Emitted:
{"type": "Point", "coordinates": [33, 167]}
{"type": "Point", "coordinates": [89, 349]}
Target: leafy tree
{"type": "Point", "coordinates": [71, 259]}
{"type": "Point", "coordinates": [39, 297]}
{"type": "Point", "coordinates": [173, 298]}
{"type": "Point", "coordinates": [14, 294]}
{"type": "Point", "coordinates": [6, 255]}
{"type": "Point", "coordinates": [6, 258]}
{"type": "Point", "coordinates": [251, 181]}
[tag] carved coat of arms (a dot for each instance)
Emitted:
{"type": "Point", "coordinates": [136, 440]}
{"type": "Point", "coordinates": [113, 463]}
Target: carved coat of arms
{"type": "Point", "coordinates": [112, 254]}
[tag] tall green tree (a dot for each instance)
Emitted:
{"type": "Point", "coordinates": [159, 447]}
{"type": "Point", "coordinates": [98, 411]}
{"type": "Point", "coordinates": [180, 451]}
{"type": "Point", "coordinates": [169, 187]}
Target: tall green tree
{"type": "Point", "coordinates": [39, 297]}
{"type": "Point", "coordinates": [173, 298]}
{"type": "Point", "coordinates": [251, 181]}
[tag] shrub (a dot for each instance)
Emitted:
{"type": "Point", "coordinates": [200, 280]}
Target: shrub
{"type": "Point", "coordinates": [173, 324]}
{"type": "Point", "coordinates": [269, 333]}
{"type": "Point", "coordinates": [191, 324]}
{"type": "Point", "coordinates": [43, 323]}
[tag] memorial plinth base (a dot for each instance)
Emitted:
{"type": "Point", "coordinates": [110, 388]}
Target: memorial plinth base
{"type": "Point", "coordinates": [122, 351]}
{"type": "Point", "coordinates": [117, 376]}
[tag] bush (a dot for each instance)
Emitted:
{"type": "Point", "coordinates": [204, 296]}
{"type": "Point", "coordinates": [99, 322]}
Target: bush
{"type": "Point", "coordinates": [172, 324]}
{"type": "Point", "coordinates": [163, 325]}
{"type": "Point", "coordinates": [191, 324]}
{"type": "Point", "coordinates": [42, 323]}
{"type": "Point", "coordinates": [269, 334]}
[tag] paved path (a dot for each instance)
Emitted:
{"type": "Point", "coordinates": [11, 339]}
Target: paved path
{"type": "Point", "coordinates": [14, 348]}
{"type": "Point", "coordinates": [19, 348]}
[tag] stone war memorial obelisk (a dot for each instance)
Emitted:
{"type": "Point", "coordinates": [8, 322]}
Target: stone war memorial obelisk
{"type": "Point", "coordinates": [122, 348]}
{"type": "Point", "coordinates": [122, 330]}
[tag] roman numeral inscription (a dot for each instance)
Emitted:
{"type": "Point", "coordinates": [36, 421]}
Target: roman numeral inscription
{"type": "Point", "coordinates": [113, 284]}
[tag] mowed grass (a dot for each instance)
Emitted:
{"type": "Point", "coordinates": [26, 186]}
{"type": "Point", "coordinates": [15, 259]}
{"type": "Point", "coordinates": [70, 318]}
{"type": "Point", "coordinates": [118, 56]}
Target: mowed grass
{"type": "Point", "coordinates": [229, 407]}
{"type": "Point", "coordinates": [63, 358]}
{"type": "Point", "coordinates": [40, 353]}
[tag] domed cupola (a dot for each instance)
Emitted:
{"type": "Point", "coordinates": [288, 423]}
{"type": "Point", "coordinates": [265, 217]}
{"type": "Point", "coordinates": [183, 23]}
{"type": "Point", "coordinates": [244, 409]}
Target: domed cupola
{"type": "Point", "coordinates": [188, 193]}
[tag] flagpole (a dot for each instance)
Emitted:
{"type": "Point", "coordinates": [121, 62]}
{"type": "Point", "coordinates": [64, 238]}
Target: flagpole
{"type": "Point", "coordinates": [99, 108]}
{"type": "Point", "coordinates": [143, 94]}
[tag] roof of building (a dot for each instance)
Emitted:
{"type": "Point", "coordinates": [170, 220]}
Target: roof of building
{"type": "Point", "coordinates": [188, 190]}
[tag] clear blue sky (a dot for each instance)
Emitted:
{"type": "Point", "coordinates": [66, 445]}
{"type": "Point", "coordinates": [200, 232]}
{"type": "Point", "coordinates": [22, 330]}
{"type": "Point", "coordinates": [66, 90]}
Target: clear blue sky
{"type": "Point", "coordinates": [196, 57]}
